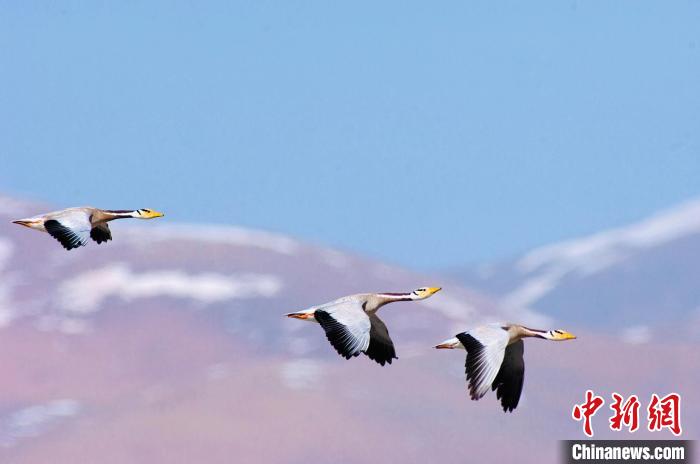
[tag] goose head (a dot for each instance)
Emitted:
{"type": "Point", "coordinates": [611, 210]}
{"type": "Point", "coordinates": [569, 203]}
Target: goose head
{"type": "Point", "coordinates": [424, 292]}
{"type": "Point", "coordinates": [145, 213]}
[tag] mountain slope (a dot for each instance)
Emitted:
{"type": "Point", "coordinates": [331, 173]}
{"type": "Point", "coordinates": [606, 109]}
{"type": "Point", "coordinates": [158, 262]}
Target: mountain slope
{"type": "Point", "coordinates": [169, 345]}
{"type": "Point", "coordinates": [642, 276]}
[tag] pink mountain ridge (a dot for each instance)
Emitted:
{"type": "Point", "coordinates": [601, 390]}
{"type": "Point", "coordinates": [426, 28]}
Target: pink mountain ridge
{"type": "Point", "coordinates": [169, 345]}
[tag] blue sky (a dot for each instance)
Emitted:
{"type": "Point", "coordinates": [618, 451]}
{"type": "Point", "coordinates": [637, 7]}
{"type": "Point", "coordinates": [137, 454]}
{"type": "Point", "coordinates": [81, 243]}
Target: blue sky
{"type": "Point", "coordinates": [426, 135]}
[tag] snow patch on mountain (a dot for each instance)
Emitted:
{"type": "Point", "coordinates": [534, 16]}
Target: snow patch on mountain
{"type": "Point", "coordinates": [11, 207]}
{"type": "Point", "coordinates": [86, 292]}
{"type": "Point", "coordinates": [548, 265]}
{"type": "Point", "coordinates": [6, 250]}
{"type": "Point", "coordinates": [34, 420]}
{"type": "Point", "coordinates": [533, 289]}
{"type": "Point", "coordinates": [636, 335]}
{"type": "Point", "coordinates": [228, 235]}
{"type": "Point", "coordinates": [301, 374]}
{"type": "Point", "coordinates": [334, 258]}
{"type": "Point", "coordinates": [218, 371]}
{"type": "Point", "coordinates": [64, 324]}
{"type": "Point", "coordinates": [7, 312]}
{"type": "Point", "coordinates": [451, 306]}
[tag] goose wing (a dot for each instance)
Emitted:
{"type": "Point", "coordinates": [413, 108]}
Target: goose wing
{"type": "Point", "coordinates": [71, 229]}
{"type": "Point", "coordinates": [347, 327]}
{"type": "Point", "coordinates": [101, 233]}
{"type": "Point", "coordinates": [381, 348]}
{"type": "Point", "coordinates": [486, 347]}
{"type": "Point", "coordinates": [509, 381]}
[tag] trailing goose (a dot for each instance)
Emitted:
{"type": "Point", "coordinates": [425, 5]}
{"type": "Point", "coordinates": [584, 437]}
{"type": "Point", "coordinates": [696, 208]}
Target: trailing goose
{"type": "Point", "coordinates": [73, 227]}
{"type": "Point", "coordinates": [352, 325]}
{"type": "Point", "coordinates": [495, 358]}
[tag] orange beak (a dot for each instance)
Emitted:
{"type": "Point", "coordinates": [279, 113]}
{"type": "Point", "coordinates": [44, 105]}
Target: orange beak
{"type": "Point", "coordinates": [299, 315]}
{"type": "Point", "coordinates": [450, 344]}
{"type": "Point", "coordinates": [23, 223]}
{"type": "Point", "coordinates": [444, 346]}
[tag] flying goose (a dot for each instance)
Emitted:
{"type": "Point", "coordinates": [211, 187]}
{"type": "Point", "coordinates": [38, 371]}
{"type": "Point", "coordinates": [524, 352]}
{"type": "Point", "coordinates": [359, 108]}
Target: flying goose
{"type": "Point", "coordinates": [74, 226]}
{"type": "Point", "coordinates": [352, 325]}
{"type": "Point", "coordinates": [495, 358]}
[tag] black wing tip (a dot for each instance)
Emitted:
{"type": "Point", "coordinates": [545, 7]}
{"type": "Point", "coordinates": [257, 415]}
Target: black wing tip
{"type": "Point", "coordinates": [509, 408]}
{"type": "Point", "coordinates": [100, 235]}
{"type": "Point", "coordinates": [335, 333]}
{"type": "Point", "coordinates": [66, 237]}
{"type": "Point", "coordinates": [69, 245]}
{"type": "Point", "coordinates": [345, 354]}
{"type": "Point", "coordinates": [508, 403]}
{"type": "Point", "coordinates": [100, 240]}
{"type": "Point", "coordinates": [509, 400]}
{"type": "Point", "coordinates": [505, 404]}
{"type": "Point", "coordinates": [376, 357]}
{"type": "Point", "coordinates": [379, 355]}
{"type": "Point", "coordinates": [382, 361]}
{"type": "Point", "coordinates": [474, 395]}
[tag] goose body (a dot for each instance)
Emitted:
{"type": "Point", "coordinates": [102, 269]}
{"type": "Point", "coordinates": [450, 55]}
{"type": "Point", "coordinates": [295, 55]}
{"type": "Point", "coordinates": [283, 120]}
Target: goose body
{"type": "Point", "coordinates": [495, 358]}
{"type": "Point", "coordinates": [352, 326]}
{"type": "Point", "coordinates": [74, 227]}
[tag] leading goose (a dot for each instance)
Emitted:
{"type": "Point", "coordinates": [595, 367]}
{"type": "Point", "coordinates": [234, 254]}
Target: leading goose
{"type": "Point", "coordinates": [352, 325]}
{"type": "Point", "coordinates": [495, 358]}
{"type": "Point", "coordinates": [74, 226]}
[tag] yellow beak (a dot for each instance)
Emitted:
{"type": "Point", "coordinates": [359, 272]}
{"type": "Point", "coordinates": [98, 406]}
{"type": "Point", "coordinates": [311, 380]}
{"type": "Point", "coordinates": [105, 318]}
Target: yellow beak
{"type": "Point", "coordinates": [564, 335]}
{"type": "Point", "coordinates": [154, 214]}
{"type": "Point", "coordinates": [433, 290]}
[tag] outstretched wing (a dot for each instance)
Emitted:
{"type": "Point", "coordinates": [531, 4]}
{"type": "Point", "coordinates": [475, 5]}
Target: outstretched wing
{"type": "Point", "coordinates": [381, 348]}
{"type": "Point", "coordinates": [71, 232]}
{"type": "Point", "coordinates": [509, 381]}
{"type": "Point", "coordinates": [101, 233]}
{"type": "Point", "coordinates": [347, 327]}
{"type": "Point", "coordinates": [485, 346]}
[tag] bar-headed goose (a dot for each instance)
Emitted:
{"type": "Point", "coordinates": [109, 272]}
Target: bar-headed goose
{"type": "Point", "coordinates": [352, 325]}
{"type": "Point", "coordinates": [495, 358]}
{"type": "Point", "coordinates": [74, 226]}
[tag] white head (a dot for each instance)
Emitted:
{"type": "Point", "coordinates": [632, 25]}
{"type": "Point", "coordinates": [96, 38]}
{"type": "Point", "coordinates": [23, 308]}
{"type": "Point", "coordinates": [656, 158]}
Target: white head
{"type": "Point", "coordinates": [554, 335]}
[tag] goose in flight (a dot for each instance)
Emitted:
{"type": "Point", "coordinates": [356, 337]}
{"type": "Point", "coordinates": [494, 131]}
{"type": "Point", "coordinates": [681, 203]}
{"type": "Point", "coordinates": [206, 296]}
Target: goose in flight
{"type": "Point", "coordinates": [73, 227]}
{"type": "Point", "coordinates": [495, 358]}
{"type": "Point", "coordinates": [352, 325]}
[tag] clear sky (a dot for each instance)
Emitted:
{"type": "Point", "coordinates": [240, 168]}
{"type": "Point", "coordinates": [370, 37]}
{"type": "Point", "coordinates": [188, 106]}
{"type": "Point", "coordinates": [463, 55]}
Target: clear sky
{"type": "Point", "coordinates": [429, 134]}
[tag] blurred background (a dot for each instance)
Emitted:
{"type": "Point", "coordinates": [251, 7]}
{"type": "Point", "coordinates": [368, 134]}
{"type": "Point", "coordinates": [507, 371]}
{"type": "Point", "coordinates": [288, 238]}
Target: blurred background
{"type": "Point", "coordinates": [540, 161]}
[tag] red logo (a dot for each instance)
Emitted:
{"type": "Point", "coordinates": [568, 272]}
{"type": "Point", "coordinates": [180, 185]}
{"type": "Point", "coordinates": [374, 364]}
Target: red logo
{"type": "Point", "coordinates": [626, 414]}
{"type": "Point", "coordinates": [663, 413]}
{"type": "Point", "coordinates": [587, 410]}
